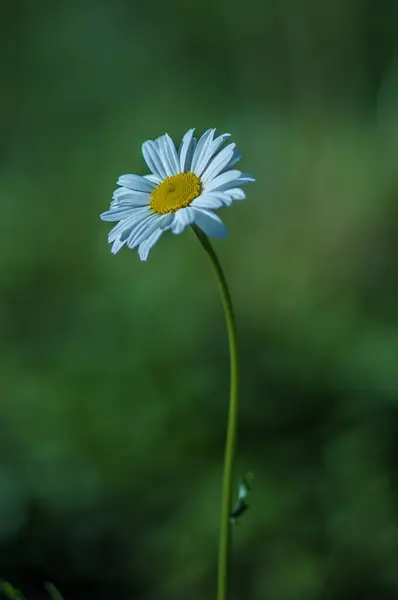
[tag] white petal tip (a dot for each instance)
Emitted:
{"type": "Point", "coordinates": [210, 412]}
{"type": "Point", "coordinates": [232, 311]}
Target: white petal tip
{"type": "Point", "coordinates": [117, 245]}
{"type": "Point", "coordinates": [247, 178]}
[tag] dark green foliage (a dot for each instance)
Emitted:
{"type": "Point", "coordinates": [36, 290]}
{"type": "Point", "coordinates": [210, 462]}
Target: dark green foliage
{"type": "Point", "coordinates": [114, 373]}
{"type": "Point", "coordinates": [9, 591]}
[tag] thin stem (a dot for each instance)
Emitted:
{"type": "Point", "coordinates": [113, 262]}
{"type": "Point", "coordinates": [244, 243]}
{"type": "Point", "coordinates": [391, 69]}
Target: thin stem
{"type": "Point", "coordinates": [230, 445]}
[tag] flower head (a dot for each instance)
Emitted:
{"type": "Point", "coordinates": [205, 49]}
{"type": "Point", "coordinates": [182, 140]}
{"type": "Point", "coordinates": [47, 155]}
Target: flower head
{"type": "Point", "coordinates": [183, 188]}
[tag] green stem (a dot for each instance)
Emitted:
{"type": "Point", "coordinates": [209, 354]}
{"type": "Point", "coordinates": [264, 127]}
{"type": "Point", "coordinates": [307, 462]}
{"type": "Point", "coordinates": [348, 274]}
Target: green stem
{"type": "Point", "coordinates": [226, 508]}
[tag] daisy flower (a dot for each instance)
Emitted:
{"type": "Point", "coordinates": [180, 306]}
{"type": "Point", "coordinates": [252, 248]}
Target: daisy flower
{"type": "Point", "coordinates": [183, 188]}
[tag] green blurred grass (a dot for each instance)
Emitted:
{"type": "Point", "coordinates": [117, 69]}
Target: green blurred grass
{"type": "Point", "coordinates": [114, 373]}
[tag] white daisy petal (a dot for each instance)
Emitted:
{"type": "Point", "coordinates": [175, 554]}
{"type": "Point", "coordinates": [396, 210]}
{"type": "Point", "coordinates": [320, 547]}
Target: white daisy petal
{"type": "Point", "coordinates": [137, 215]}
{"type": "Point", "coordinates": [183, 218]}
{"type": "Point", "coordinates": [218, 163]}
{"type": "Point", "coordinates": [123, 192]}
{"type": "Point", "coordinates": [156, 180]}
{"type": "Point", "coordinates": [118, 204]}
{"type": "Point", "coordinates": [125, 197]}
{"type": "Point", "coordinates": [170, 154]}
{"type": "Point", "coordinates": [116, 214]}
{"type": "Point", "coordinates": [215, 145]}
{"type": "Point", "coordinates": [246, 178]}
{"type": "Point", "coordinates": [185, 151]}
{"type": "Point", "coordinates": [152, 159]}
{"type": "Point", "coordinates": [147, 227]}
{"type": "Point", "coordinates": [145, 246]}
{"type": "Point", "coordinates": [210, 223]}
{"type": "Point", "coordinates": [234, 159]}
{"type": "Point", "coordinates": [212, 200]}
{"type": "Point", "coordinates": [236, 194]}
{"type": "Point", "coordinates": [218, 142]}
{"type": "Point", "coordinates": [140, 230]}
{"type": "Point", "coordinates": [117, 245]}
{"type": "Point", "coordinates": [229, 179]}
{"type": "Point", "coordinates": [163, 153]}
{"type": "Point", "coordinates": [136, 183]}
{"type": "Point", "coordinates": [205, 154]}
{"type": "Point", "coordinates": [202, 145]}
{"type": "Point", "coordinates": [194, 144]}
{"type": "Point", "coordinates": [207, 202]}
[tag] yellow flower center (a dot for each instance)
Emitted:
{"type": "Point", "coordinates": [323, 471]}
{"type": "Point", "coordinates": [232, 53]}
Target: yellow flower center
{"type": "Point", "coordinates": [175, 192]}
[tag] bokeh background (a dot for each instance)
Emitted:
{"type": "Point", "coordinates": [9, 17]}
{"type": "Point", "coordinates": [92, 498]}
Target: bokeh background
{"type": "Point", "coordinates": [114, 373]}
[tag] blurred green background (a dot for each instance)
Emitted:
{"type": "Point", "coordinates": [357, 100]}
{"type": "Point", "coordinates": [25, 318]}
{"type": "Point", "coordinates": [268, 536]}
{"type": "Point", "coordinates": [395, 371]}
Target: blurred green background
{"type": "Point", "coordinates": [114, 373]}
